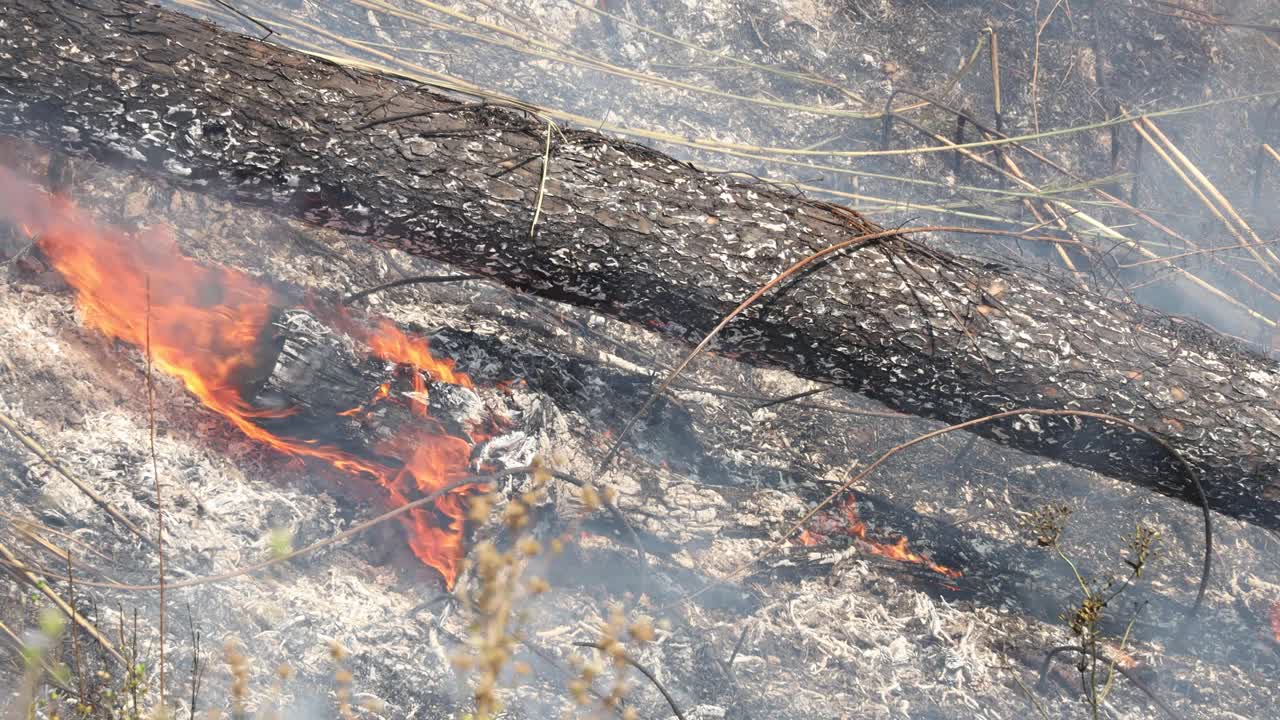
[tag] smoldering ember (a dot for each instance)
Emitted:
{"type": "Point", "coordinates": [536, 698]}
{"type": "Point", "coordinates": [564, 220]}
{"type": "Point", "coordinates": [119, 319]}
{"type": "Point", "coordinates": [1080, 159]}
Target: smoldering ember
{"type": "Point", "coordinates": [594, 358]}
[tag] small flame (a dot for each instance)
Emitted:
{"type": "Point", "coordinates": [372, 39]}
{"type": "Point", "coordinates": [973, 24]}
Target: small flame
{"type": "Point", "coordinates": [1122, 657]}
{"type": "Point", "coordinates": [205, 325]}
{"type": "Point", "coordinates": [808, 539]}
{"type": "Point", "coordinates": [1275, 620]}
{"type": "Point", "coordinates": [896, 551]}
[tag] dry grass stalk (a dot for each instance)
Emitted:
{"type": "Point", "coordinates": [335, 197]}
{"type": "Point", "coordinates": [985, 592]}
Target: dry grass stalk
{"type": "Point", "coordinates": [995, 78]}
{"type": "Point", "coordinates": [25, 574]}
{"type": "Point", "coordinates": [1035, 63]}
{"type": "Point", "coordinates": [398, 66]}
{"type": "Point", "coordinates": [1272, 152]}
{"type": "Point", "coordinates": [1106, 230]}
{"type": "Point", "coordinates": [35, 447]}
{"type": "Point", "coordinates": [1165, 148]}
{"type": "Point", "coordinates": [1056, 219]}
{"type": "Point", "coordinates": [155, 474]}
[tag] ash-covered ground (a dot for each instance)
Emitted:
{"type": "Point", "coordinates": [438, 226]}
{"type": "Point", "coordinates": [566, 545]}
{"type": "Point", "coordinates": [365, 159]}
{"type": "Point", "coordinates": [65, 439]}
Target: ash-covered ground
{"type": "Point", "coordinates": [829, 630]}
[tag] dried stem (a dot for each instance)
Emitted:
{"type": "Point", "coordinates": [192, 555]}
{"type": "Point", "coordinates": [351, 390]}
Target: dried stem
{"type": "Point", "coordinates": [35, 447]}
{"type": "Point", "coordinates": [643, 671]}
{"type": "Point", "coordinates": [1168, 152]}
{"type": "Point", "coordinates": [1129, 675]}
{"type": "Point", "coordinates": [25, 574]}
{"type": "Point", "coordinates": [155, 475]}
{"type": "Point", "coordinates": [995, 78]}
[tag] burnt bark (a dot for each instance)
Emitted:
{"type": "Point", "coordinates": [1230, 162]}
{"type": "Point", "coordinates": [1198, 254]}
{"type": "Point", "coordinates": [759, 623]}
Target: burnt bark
{"type": "Point", "coordinates": [636, 234]}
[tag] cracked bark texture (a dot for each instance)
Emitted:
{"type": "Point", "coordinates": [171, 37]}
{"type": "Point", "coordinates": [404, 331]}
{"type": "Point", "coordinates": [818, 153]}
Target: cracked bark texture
{"type": "Point", "coordinates": [636, 234]}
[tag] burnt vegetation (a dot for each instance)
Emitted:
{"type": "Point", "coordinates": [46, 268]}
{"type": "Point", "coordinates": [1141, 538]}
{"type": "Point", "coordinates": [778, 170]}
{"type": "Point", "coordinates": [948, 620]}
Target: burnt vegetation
{"type": "Point", "coordinates": [598, 358]}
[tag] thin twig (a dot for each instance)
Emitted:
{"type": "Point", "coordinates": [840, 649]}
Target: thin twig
{"type": "Point", "coordinates": [643, 671]}
{"type": "Point", "coordinates": [1035, 701]}
{"type": "Point", "coordinates": [1189, 253]}
{"type": "Point", "coordinates": [76, 656]}
{"type": "Point", "coordinates": [197, 666]}
{"type": "Point", "coordinates": [415, 280]}
{"type": "Point", "coordinates": [792, 397]}
{"type": "Point", "coordinates": [542, 183]}
{"type": "Point", "coordinates": [255, 21]}
{"type": "Point", "coordinates": [742, 638]}
{"type": "Point", "coordinates": [1129, 675]}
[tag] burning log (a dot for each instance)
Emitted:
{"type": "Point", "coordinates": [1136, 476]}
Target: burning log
{"type": "Point", "coordinates": [350, 393]}
{"type": "Point", "coordinates": [636, 234]}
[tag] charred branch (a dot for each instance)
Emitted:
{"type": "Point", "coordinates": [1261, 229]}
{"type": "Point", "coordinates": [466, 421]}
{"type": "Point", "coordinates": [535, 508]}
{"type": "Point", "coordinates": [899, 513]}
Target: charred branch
{"type": "Point", "coordinates": [636, 234]}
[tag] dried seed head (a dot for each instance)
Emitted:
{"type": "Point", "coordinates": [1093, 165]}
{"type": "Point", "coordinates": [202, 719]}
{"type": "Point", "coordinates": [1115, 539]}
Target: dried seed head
{"type": "Point", "coordinates": [529, 547]}
{"type": "Point", "coordinates": [336, 650]}
{"type": "Point", "coordinates": [642, 630]}
{"type": "Point", "coordinates": [590, 498]}
{"type": "Point", "coordinates": [479, 508]}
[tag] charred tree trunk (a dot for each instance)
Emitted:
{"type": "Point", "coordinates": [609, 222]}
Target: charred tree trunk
{"type": "Point", "coordinates": [636, 234]}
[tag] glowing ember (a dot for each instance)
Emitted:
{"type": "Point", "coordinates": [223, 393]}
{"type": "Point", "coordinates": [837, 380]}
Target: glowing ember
{"type": "Point", "coordinates": [207, 323]}
{"type": "Point", "coordinates": [808, 539]}
{"type": "Point", "coordinates": [1122, 657]}
{"type": "Point", "coordinates": [1275, 620]}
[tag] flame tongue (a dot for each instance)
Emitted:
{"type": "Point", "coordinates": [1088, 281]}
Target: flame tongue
{"type": "Point", "coordinates": [206, 327]}
{"type": "Point", "coordinates": [896, 551]}
{"type": "Point", "coordinates": [854, 526]}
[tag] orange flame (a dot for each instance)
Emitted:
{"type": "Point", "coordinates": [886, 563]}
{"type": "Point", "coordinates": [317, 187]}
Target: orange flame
{"type": "Point", "coordinates": [1275, 620]}
{"type": "Point", "coordinates": [808, 539]}
{"type": "Point", "coordinates": [896, 551]}
{"type": "Point", "coordinates": [205, 324]}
